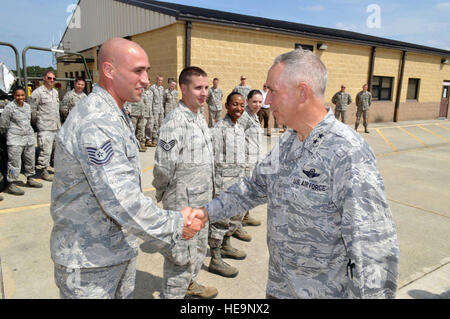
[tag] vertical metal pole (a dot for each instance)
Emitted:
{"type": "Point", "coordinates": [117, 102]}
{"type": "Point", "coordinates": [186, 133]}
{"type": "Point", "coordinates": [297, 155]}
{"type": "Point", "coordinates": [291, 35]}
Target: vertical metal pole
{"type": "Point", "coordinates": [399, 87]}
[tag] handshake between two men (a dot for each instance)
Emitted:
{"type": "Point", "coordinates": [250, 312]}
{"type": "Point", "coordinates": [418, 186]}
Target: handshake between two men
{"type": "Point", "coordinates": [194, 220]}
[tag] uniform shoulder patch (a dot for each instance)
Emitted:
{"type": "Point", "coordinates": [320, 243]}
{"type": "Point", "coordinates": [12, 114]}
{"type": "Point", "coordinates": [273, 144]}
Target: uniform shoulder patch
{"type": "Point", "coordinates": [167, 146]}
{"type": "Point", "coordinates": [100, 156]}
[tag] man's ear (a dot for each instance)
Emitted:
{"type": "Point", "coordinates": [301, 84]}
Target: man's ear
{"type": "Point", "coordinates": [304, 92]}
{"type": "Point", "coordinates": [108, 70]}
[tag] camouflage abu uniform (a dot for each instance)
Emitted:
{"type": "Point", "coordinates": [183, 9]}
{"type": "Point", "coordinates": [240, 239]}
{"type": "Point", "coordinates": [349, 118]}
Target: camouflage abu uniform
{"type": "Point", "coordinates": [98, 206]}
{"type": "Point", "coordinates": [243, 90]}
{"type": "Point", "coordinates": [183, 176]}
{"type": "Point", "coordinates": [363, 102]}
{"type": "Point", "coordinates": [170, 100]}
{"type": "Point", "coordinates": [157, 109]}
{"type": "Point", "coordinates": [214, 101]}
{"type": "Point", "coordinates": [330, 231]}
{"type": "Point", "coordinates": [253, 139]}
{"type": "Point", "coordinates": [45, 114]}
{"type": "Point", "coordinates": [15, 124]}
{"type": "Point", "coordinates": [69, 101]}
{"type": "Point", "coordinates": [140, 113]}
{"type": "Point", "coordinates": [341, 100]}
{"type": "Point", "coordinates": [229, 160]}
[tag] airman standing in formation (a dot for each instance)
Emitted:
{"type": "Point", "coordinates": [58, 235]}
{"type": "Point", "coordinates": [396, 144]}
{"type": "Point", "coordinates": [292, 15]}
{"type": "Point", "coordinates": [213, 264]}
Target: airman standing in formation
{"type": "Point", "coordinates": [342, 100]}
{"type": "Point", "coordinates": [229, 160]}
{"type": "Point", "coordinates": [363, 102]}
{"type": "Point", "coordinates": [15, 124]}
{"type": "Point", "coordinates": [183, 175]}
{"type": "Point", "coordinates": [45, 115]}
{"type": "Point", "coordinates": [157, 108]}
{"type": "Point", "coordinates": [170, 97]}
{"type": "Point", "coordinates": [243, 88]}
{"type": "Point", "coordinates": [214, 101]}
{"type": "Point", "coordinates": [72, 97]}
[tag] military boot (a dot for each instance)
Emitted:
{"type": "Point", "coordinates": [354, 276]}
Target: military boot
{"type": "Point", "coordinates": [45, 175]}
{"type": "Point", "coordinates": [154, 143]}
{"type": "Point", "coordinates": [148, 143]}
{"type": "Point", "coordinates": [1, 198]}
{"type": "Point", "coordinates": [142, 147]}
{"type": "Point", "coordinates": [195, 290]}
{"type": "Point", "coordinates": [228, 251]}
{"type": "Point", "coordinates": [241, 234]}
{"type": "Point", "coordinates": [366, 130]}
{"type": "Point", "coordinates": [13, 189]}
{"type": "Point", "coordinates": [32, 183]}
{"type": "Point", "coordinates": [250, 221]}
{"type": "Point", "coordinates": [219, 267]}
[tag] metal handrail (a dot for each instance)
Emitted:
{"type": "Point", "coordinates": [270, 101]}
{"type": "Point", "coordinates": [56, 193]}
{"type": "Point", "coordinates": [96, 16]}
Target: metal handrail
{"type": "Point", "coordinates": [17, 59]}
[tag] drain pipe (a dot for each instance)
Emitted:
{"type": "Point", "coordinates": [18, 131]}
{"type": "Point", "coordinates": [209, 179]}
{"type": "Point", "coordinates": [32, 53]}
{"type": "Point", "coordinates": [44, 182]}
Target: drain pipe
{"type": "Point", "coordinates": [399, 87]}
{"type": "Point", "coordinates": [188, 43]}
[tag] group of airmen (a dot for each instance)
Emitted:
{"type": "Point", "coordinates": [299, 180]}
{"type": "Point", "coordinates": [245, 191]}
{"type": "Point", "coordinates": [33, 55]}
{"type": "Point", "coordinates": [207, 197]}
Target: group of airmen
{"type": "Point", "coordinates": [343, 99]}
{"type": "Point", "coordinates": [330, 232]}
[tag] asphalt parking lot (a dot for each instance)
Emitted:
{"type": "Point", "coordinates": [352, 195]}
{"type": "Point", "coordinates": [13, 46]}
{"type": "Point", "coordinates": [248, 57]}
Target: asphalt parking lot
{"type": "Point", "coordinates": [413, 158]}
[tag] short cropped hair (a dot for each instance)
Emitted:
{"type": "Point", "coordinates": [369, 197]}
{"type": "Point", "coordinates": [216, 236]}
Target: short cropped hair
{"type": "Point", "coordinates": [188, 73]}
{"type": "Point", "coordinates": [304, 66]}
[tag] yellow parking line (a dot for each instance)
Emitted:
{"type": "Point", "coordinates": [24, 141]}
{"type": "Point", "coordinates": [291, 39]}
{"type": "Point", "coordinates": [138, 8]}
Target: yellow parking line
{"type": "Point", "coordinates": [148, 169]}
{"type": "Point", "coordinates": [23, 208]}
{"type": "Point", "coordinates": [440, 125]}
{"type": "Point", "coordinates": [419, 208]}
{"type": "Point", "coordinates": [435, 134]}
{"type": "Point", "coordinates": [407, 125]}
{"type": "Point", "coordinates": [386, 140]}
{"type": "Point", "coordinates": [413, 136]}
{"type": "Point", "coordinates": [19, 209]}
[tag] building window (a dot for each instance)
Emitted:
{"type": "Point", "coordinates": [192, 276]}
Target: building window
{"type": "Point", "coordinates": [304, 47]}
{"type": "Point", "coordinates": [382, 88]}
{"type": "Point", "coordinates": [413, 89]}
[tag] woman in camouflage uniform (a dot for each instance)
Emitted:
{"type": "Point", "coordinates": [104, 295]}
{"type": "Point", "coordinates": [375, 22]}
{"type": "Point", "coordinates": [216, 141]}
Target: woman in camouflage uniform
{"type": "Point", "coordinates": [15, 123]}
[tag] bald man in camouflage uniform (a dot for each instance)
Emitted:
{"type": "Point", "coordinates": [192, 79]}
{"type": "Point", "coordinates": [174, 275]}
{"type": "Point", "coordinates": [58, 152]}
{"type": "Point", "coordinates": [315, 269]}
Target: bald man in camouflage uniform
{"type": "Point", "coordinates": [98, 207]}
{"type": "Point", "coordinates": [71, 98]}
{"type": "Point", "coordinates": [330, 231]}
{"type": "Point", "coordinates": [342, 100]}
{"type": "Point", "coordinates": [183, 175]}
{"type": "Point", "coordinates": [170, 98]}
{"type": "Point", "coordinates": [157, 109]}
{"type": "Point", "coordinates": [363, 102]}
{"type": "Point", "coordinates": [45, 115]}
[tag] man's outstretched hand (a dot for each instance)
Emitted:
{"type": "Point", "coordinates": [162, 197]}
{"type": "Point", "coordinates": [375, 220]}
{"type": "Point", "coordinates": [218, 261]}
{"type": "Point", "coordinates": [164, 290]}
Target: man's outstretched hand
{"type": "Point", "coordinates": [194, 220]}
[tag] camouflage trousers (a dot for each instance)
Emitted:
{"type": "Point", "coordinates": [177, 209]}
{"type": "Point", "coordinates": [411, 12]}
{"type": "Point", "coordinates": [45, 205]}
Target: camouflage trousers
{"type": "Point", "coordinates": [177, 278]}
{"type": "Point", "coordinates": [213, 117]}
{"type": "Point", "coordinates": [45, 142]}
{"type": "Point", "coordinates": [218, 230]}
{"type": "Point", "coordinates": [149, 128]}
{"type": "Point", "coordinates": [112, 282]}
{"type": "Point", "coordinates": [341, 114]}
{"type": "Point", "coordinates": [15, 161]}
{"type": "Point", "coordinates": [365, 114]}
{"type": "Point", "coordinates": [139, 124]}
{"type": "Point", "coordinates": [157, 121]}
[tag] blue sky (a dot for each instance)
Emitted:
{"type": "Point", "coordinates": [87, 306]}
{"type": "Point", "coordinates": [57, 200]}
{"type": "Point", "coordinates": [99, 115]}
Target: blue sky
{"type": "Point", "coordinates": [42, 22]}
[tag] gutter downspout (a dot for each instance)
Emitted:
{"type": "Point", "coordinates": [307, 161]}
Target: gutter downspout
{"type": "Point", "coordinates": [399, 87]}
{"type": "Point", "coordinates": [188, 43]}
{"type": "Point", "coordinates": [371, 68]}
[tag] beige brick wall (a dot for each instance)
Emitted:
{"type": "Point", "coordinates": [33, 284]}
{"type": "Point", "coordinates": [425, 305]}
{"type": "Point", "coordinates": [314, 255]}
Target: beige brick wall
{"type": "Point", "coordinates": [161, 46]}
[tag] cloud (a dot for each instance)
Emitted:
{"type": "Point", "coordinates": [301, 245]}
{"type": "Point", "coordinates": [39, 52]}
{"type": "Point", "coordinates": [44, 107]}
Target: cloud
{"type": "Point", "coordinates": [443, 6]}
{"type": "Point", "coordinates": [316, 8]}
{"type": "Point", "coordinates": [343, 26]}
